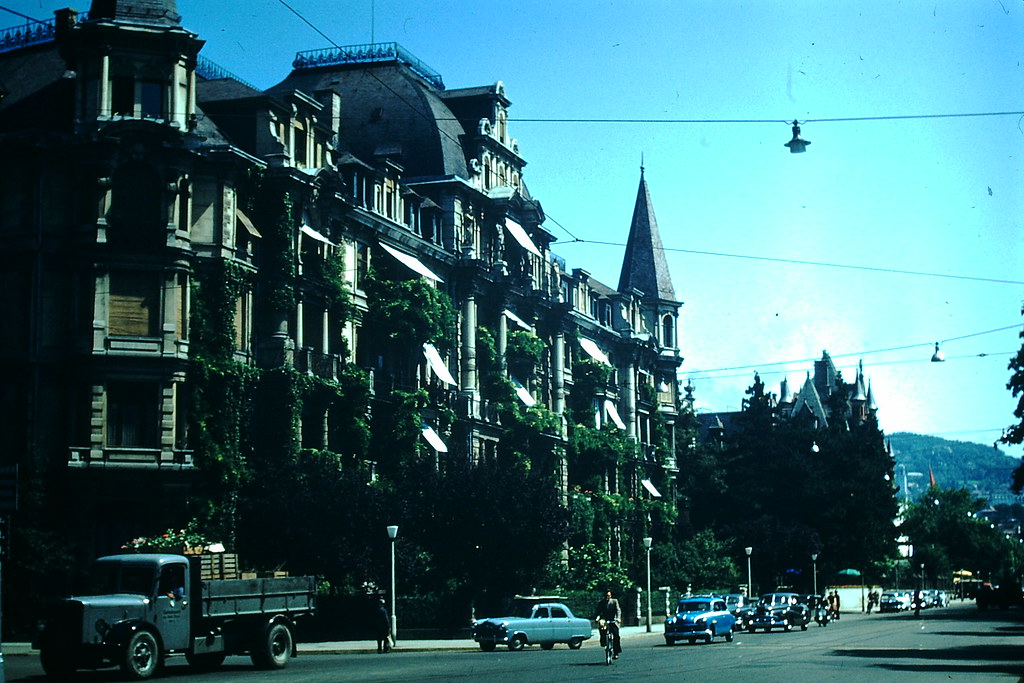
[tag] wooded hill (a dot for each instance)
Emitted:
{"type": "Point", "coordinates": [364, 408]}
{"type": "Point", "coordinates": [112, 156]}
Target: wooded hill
{"type": "Point", "coordinates": [985, 471]}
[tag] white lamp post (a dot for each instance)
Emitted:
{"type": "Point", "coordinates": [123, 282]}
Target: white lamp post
{"type": "Point", "coordinates": [392, 534]}
{"type": "Point", "coordinates": [750, 580]}
{"type": "Point", "coordinates": [814, 561]}
{"type": "Point", "coordinates": [647, 545]}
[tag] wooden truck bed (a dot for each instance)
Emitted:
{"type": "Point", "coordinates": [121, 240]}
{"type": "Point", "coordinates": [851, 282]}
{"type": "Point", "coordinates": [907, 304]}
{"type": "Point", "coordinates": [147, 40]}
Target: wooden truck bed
{"type": "Point", "coordinates": [237, 597]}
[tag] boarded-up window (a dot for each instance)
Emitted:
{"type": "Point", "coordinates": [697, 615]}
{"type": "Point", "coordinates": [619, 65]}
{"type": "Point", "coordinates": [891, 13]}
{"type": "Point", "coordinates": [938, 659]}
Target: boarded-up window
{"type": "Point", "coordinates": [134, 304]}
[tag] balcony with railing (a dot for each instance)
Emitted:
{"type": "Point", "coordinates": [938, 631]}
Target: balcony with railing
{"type": "Point", "coordinates": [120, 457]}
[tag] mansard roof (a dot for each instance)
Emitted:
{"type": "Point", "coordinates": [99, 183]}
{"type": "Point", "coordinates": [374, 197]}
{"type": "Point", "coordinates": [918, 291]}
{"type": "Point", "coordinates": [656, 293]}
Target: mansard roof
{"type": "Point", "coordinates": [644, 266]}
{"type": "Point", "coordinates": [389, 103]}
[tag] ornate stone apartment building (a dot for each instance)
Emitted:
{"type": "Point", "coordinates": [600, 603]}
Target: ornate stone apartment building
{"type": "Point", "coordinates": [127, 165]}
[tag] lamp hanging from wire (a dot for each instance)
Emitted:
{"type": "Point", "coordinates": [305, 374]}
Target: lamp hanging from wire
{"type": "Point", "coordinates": [938, 356]}
{"type": "Point", "coordinates": [797, 145]}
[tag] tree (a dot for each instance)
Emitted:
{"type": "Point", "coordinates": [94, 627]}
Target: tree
{"type": "Point", "coordinates": [1015, 433]}
{"type": "Point", "coordinates": [789, 499]}
{"type": "Point", "coordinates": [947, 535]}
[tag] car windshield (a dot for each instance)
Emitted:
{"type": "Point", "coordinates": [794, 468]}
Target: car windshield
{"type": "Point", "coordinates": [112, 577]}
{"type": "Point", "coordinates": [775, 599]}
{"type": "Point", "coordinates": [693, 606]}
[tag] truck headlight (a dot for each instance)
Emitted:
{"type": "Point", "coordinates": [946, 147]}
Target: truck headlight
{"type": "Point", "coordinates": [102, 627]}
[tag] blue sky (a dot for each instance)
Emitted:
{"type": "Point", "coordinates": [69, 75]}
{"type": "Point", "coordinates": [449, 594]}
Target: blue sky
{"type": "Point", "coordinates": [744, 220]}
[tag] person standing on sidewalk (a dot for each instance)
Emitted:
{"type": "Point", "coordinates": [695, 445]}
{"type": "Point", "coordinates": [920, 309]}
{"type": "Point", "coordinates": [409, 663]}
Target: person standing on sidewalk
{"type": "Point", "coordinates": [382, 627]}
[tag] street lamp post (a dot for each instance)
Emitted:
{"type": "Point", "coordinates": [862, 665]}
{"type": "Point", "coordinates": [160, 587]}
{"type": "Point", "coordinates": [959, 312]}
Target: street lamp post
{"type": "Point", "coordinates": [392, 534]}
{"type": "Point", "coordinates": [647, 544]}
{"type": "Point", "coordinates": [750, 580]}
{"type": "Point", "coordinates": [814, 562]}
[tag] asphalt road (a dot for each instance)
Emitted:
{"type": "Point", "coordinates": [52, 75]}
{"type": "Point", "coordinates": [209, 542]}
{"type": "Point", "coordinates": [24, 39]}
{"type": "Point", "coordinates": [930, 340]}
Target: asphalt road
{"type": "Point", "coordinates": [958, 643]}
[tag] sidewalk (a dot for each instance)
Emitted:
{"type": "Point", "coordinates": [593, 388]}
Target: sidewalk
{"type": "Point", "coordinates": [364, 647]}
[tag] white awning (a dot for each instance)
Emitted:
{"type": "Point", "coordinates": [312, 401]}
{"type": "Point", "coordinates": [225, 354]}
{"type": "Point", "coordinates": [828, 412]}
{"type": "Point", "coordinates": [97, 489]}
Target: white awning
{"type": "Point", "coordinates": [433, 439]}
{"type": "Point", "coordinates": [613, 414]}
{"type": "Point", "coordinates": [594, 351]}
{"type": "Point", "coordinates": [412, 262]}
{"type": "Point", "coordinates": [516, 319]}
{"type": "Point", "coordinates": [520, 236]}
{"type": "Point", "coordinates": [310, 232]}
{"type": "Point", "coordinates": [650, 488]}
{"type": "Point", "coordinates": [523, 393]}
{"type": "Point", "coordinates": [247, 224]}
{"type": "Point", "coordinates": [437, 365]}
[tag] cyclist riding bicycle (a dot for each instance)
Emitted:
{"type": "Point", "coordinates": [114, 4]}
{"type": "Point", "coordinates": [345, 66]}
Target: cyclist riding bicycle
{"type": "Point", "coordinates": [609, 610]}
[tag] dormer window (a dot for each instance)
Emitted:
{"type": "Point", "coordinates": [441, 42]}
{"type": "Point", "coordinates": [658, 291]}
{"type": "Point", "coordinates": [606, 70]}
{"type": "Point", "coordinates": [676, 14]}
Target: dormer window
{"type": "Point", "coordinates": [122, 96]}
{"type": "Point", "coordinates": [502, 128]}
{"type": "Point", "coordinates": [137, 97]}
{"type": "Point", "coordinates": [151, 99]}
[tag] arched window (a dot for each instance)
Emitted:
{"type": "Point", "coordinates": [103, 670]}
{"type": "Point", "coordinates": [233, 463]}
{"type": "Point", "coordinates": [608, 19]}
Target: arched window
{"type": "Point", "coordinates": [502, 127]}
{"type": "Point", "coordinates": [668, 330]}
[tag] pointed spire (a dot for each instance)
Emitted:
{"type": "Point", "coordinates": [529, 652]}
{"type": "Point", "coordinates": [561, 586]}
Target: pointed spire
{"type": "Point", "coordinates": [785, 395]}
{"type": "Point", "coordinates": [644, 266]}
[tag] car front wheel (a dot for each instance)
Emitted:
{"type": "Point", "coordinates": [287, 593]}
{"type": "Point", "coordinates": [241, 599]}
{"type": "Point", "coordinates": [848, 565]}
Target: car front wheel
{"type": "Point", "coordinates": [517, 643]}
{"type": "Point", "coordinates": [728, 636]}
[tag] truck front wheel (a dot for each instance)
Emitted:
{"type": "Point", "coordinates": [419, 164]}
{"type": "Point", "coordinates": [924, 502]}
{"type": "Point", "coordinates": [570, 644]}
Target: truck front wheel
{"type": "Point", "coordinates": [57, 665]}
{"type": "Point", "coordinates": [274, 648]}
{"type": "Point", "coordinates": [141, 656]}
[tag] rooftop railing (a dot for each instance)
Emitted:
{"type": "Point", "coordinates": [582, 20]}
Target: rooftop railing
{"type": "Point", "coordinates": [23, 35]}
{"type": "Point", "coordinates": [367, 53]}
{"type": "Point", "coordinates": [211, 71]}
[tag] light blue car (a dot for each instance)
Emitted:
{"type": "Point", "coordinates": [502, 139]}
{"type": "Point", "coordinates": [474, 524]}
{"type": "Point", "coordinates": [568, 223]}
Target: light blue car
{"type": "Point", "coordinates": [702, 618]}
{"type": "Point", "coordinates": [544, 624]}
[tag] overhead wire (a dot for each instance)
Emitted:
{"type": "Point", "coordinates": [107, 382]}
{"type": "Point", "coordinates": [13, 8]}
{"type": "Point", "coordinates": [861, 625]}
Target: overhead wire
{"type": "Point", "coordinates": [802, 262]}
{"type": "Point", "coordinates": [904, 347]}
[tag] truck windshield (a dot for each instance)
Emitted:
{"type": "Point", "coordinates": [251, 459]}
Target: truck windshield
{"type": "Point", "coordinates": [108, 577]}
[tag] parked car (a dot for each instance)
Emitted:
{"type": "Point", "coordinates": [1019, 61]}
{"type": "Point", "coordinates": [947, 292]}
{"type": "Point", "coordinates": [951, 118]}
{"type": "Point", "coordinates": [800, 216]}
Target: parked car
{"type": "Point", "coordinates": [700, 618]}
{"type": "Point", "coordinates": [740, 606]}
{"type": "Point", "coordinates": [542, 623]}
{"type": "Point", "coordinates": [779, 610]}
{"type": "Point", "coordinates": [894, 601]}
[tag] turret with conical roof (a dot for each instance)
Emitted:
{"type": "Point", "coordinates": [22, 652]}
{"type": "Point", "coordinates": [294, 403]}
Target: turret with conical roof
{"type": "Point", "coordinates": [644, 266]}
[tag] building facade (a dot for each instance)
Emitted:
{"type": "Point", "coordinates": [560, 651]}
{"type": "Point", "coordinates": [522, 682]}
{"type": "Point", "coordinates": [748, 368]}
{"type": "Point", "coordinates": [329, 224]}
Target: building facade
{"type": "Point", "coordinates": [162, 218]}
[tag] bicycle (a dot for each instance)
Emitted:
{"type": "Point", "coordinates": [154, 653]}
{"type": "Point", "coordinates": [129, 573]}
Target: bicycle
{"type": "Point", "coordinates": [607, 640]}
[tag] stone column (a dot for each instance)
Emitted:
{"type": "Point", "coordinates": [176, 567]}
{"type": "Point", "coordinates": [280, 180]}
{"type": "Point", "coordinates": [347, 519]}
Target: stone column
{"type": "Point", "coordinates": [468, 373]}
